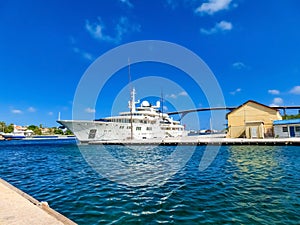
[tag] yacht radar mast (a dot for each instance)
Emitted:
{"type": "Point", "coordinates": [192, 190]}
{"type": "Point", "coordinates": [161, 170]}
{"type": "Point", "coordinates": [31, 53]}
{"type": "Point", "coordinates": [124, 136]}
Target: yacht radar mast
{"type": "Point", "coordinates": [132, 101]}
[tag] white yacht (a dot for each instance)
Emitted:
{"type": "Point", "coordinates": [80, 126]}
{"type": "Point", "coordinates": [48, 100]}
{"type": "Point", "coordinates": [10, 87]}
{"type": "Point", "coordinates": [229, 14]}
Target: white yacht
{"type": "Point", "coordinates": [143, 122]}
{"type": "Point", "coordinates": [18, 133]}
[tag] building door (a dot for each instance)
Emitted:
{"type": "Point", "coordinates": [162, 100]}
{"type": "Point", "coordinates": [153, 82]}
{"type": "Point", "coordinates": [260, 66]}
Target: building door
{"type": "Point", "coordinates": [292, 131]}
{"type": "Point", "coordinates": [253, 132]}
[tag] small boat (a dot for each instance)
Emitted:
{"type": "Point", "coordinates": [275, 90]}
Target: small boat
{"type": "Point", "coordinates": [17, 134]}
{"type": "Point", "coordinates": [13, 136]}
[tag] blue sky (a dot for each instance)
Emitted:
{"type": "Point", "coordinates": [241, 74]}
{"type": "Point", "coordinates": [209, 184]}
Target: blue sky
{"type": "Point", "coordinates": [252, 47]}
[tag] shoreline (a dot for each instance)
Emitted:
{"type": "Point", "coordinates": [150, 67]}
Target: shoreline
{"type": "Point", "coordinates": [186, 140]}
{"type": "Point", "coordinates": [42, 137]}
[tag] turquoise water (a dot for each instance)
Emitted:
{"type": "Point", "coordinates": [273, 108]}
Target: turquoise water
{"type": "Point", "coordinates": [243, 185]}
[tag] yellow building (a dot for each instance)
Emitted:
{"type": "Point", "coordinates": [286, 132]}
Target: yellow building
{"type": "Point", "coordinates": [252, 120]}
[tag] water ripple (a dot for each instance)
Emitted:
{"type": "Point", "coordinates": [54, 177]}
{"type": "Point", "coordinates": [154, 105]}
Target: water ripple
{"type": "Point", "coordinates": [244, 185]}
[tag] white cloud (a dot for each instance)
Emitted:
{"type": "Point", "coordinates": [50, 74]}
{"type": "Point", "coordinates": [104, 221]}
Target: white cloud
{"type": "Point", "coordinates": [274, 92]}
{"type": "Point", "coordinates": [16, 111]}
{"type": "Point", "coordinates": [171, 96]}
{"type": "Point", "coordinates": [31, 109]}
{"type": "Point", "coordinates": [88, 56]}
{"type": "Point", "coordinates": [219, 27]}
{"type": "Point", "coordinates": [183, 93]}
{"type": "Point", "coordinates": [84, 54]}
{"type": "Point", "coordinates": [90, 110]}
{"type": "Point", "coordinates": [236, 91]}
{"type": "Point", "coordinates": [239, 65]}
{"type": "Point", "coordinates": [224, 25]}
{"type": "Point", "coordinates": [295, 90]}
{"type": "Point", "coordinates": [213, 6]}
{"type": "Point", "coordinates": [276, 102]}
{"type": "Point", "coordinates": [127, 2]}
{"type": "Point", "coordinates": [50, 113]}
{"type": "Point", "coordinates": [122, 27]}
{"type": "Point", "coordinates": [95, 30]}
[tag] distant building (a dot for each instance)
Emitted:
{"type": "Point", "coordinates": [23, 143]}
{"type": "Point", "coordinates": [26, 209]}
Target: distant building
{"type": "Point", "coordinates": [287, 128]}
{"type": "Point", "coordinates": [252, 120]}
{"type": "Point", "coordinates": [45, 130]}
{"type": "Point", "coordinates": [22, 131]}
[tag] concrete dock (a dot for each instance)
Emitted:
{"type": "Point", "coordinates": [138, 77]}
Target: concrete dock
{"type": "Point", "coordinates": [200, 140]}
{"type": "Point", "coordinates": [17, 207]}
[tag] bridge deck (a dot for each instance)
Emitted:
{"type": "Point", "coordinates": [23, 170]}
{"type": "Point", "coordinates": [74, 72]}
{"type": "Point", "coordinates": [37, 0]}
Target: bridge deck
{"type": "Point", "coordinates": [230, 108]}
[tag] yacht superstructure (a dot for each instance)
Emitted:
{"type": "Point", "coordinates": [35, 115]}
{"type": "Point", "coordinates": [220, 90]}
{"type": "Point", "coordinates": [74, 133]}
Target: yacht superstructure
{"type": "Point", "coordinates": [143, 122]}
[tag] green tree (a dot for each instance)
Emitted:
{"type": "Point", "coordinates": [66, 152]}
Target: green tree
{"type": "Point", "coordinates": [2, 126]}
{"type": "Point", "coordinates": [32, 127]}
{"type": "Point", "coordinates": [290, 117]}
{"type": "Point", "coordinates": [9, 128]}
{"type": "Point", "coordinates": [58, 131]}
{"type": "Point", "coordinates": [36, 130]}
{"type": "Point", "coordinates": [68, 132]}
{"type": "Point", "coordinates": [50, 130]}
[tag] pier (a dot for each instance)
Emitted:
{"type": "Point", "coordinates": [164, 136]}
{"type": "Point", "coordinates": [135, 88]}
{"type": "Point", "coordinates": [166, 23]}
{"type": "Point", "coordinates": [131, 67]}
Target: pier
{"type": "Point", "coordinates": [17, 207]}
{"type": "Point", "coordinates": [204, 140]}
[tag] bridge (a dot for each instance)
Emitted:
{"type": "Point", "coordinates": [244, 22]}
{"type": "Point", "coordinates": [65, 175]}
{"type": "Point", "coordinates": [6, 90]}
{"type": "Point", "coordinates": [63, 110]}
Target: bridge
{"type": "Point", "coordinates": [183, 113]}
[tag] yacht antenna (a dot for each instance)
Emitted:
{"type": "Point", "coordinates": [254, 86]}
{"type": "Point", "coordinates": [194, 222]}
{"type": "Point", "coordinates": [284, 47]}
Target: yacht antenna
{"type": "Point", "coordinates": [162, 103]}
{"type": "Point", "coordinates": [129, 76]}
{"type": "Point", "coordinates": [131, 100]}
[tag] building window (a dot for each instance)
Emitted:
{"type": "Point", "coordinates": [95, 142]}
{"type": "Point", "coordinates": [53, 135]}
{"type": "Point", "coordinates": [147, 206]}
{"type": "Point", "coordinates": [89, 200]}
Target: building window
{"type": "Point", "coordinates": [138, 128]}
{"type": "Point", "coordinates": [149, 128]}
{"type": "Point", "coordinates": [297, 128]}
{"type": "Point", "coordinates": [284, 129]}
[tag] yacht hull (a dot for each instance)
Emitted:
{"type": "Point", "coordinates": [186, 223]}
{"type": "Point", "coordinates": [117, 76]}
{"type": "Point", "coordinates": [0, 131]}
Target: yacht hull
{"type": "Point", "coordinates": [87, 131]}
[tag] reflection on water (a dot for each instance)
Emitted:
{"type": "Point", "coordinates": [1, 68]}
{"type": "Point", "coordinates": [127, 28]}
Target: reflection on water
{"type": "Point", "coordinates": [262, 184]}
{"type": "Point", "coordinates": [137, 166]}
{"type": "Point", "coordinates": [243, 185]}
{"type": "Point", "coordinates": [254, 161]}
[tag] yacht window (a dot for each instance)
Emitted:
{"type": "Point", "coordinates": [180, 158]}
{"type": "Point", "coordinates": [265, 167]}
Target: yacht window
{"type": "Point", "coordinates": [92, 133]}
